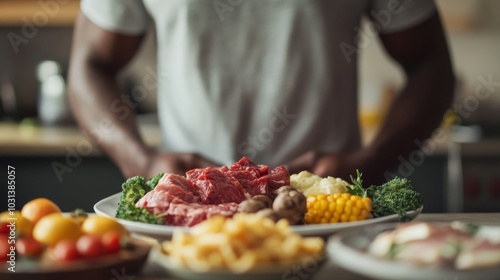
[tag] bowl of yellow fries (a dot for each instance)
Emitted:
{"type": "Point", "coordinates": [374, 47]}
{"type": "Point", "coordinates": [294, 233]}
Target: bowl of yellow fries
{"type": "Point", "coordinates": [246, 246]}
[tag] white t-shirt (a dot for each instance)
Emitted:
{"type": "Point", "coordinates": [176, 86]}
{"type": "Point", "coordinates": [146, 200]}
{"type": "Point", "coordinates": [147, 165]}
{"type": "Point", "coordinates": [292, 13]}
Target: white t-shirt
{"type": "Point", "coordinates": [269, 79]}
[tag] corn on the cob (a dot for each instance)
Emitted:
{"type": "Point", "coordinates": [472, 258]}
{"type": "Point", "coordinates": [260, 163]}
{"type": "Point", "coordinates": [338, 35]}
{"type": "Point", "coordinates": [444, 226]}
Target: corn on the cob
{"type": "Point", "coordinates": [335, 208]}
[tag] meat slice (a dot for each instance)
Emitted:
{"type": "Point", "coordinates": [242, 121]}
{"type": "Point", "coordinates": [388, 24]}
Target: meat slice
{"type": "Point", "coordinates": [158, 201]}
{"type": "Point", "coordinates": [179, 187]}
{"type": "Point", "coordinates": [192, 214]}
{"type": "Point", "coordinates": [193, 174]}
{"type": "Point", "coordinates": [179, 192]}
{"type": "Point", "coordinates": [278, 177]}
{"type": "Point", "coordinates": [252, 184]}
{"type": "Point", "coordinates": [245, 164]}
{"type": "Point", "coordinates": [216, 188]}
{"type": "Point", "coordinates": [479, 253]}
{"type": "Point", "coordinates": [174, 179]}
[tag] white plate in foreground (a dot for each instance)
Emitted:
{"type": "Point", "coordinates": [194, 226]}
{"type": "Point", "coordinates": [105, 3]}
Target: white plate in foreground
{"type": "Point", "coordinates": [348, 250]}
{"type": "Point", "coordinates": [108, 206]}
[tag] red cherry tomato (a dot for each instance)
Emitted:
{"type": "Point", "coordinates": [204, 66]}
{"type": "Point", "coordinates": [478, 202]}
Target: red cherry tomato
{"type": "Point", "coordinates": [112, 242]}
{"type": "Point", "coordinates": [90, 246]}
{"type": "Point", "coordinates": [28, 246]}
{"type": "Point", "coordinates": [65, 250]}
{"type": "Point", "coordinates": [4, 248]}
{"type": "Point", "coordinates": [4, 229]}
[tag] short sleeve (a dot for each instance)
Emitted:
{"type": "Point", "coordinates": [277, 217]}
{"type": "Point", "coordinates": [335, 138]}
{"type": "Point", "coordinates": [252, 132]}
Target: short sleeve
{"type": "Point", "coordinates": [397, 15]}
{"type": "Point", "coordinates": [122, 16]}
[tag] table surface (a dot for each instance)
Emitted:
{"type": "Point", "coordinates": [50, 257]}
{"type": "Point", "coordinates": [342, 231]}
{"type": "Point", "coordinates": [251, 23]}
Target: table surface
{"type": "Point", "coordinates": [154, 272]}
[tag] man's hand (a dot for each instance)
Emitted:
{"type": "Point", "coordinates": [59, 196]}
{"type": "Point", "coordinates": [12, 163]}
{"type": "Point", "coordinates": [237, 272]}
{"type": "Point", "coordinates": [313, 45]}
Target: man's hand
{"type": "Point", "coordinates": [328, 164]}
{"type": "Point", "coordinates": [339, 165]}
{"type": "Point", "coordinates": [423, 53]}
{"type": "Point", "coordinates": [177, 163]}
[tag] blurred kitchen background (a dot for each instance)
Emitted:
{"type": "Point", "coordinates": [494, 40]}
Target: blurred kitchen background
{"type": "Point", "coordinates": [53, 158]}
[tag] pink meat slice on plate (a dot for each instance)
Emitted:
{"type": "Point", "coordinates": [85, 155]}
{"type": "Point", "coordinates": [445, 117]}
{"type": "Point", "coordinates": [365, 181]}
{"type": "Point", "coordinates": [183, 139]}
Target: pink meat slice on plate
{"type": "Point", "coordinates": [245, 164]}
{"type": "Point", "coordinates": [216, 188]}
{"type": "Point", "coordinates": [252, 184]}
{"type": "Point", "coordinates": [278, 178]}
{"type": "Point", "coordinates": [158, 201]}
{"type": "Point", "coordinates": [178, 180]}
{"type": "Point", "coordinates": [192, 214]}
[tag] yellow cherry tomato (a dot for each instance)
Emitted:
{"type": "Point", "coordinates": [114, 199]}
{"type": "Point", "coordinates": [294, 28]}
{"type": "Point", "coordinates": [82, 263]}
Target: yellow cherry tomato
{"type": "Point", "coordinates": [55, 227]}
{"type": "Point", "coordinates": [38, 208]}
{"type": "Point", "coordinates": [99, 225]}
{"type": "Point", "coordinates": [23, 226]}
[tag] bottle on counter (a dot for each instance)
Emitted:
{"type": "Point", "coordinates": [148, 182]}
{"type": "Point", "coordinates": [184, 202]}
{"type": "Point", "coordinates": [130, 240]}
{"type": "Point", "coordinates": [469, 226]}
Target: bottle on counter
{"type": "Point", "coordinates": [53, 107]}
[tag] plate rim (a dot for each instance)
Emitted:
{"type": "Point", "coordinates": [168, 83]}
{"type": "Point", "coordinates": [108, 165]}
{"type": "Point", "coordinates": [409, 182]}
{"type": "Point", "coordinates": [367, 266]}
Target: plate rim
{"type": "Point", "coordinates": [305, 230]}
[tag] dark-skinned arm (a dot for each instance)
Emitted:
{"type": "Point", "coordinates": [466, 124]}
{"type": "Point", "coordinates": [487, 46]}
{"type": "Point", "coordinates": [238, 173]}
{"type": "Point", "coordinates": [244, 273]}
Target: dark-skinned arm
{"type": "Point", "coordinates": [97, 57]}
{"type": "Point", "coordinates": [423, 54]}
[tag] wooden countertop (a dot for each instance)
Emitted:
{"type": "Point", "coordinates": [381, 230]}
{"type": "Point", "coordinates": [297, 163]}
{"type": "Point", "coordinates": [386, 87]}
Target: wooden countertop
{"type": "Point", "coordinates": [18, 140]}
{"type": "Point", "coordinates": [154, 272]}
{"type": "Point", "coordinates": [49, 13]}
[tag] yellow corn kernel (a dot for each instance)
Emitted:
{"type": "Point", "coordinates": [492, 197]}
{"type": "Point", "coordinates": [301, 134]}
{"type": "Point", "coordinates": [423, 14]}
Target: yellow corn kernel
{"type": "Point", "coordinates": [349, 203]}
{"type": "Point", "coordinates": [339, 208]}
{"type": "Point", "coordinates": [367, 203]}
{"type": "Point", "coordinates": [348, 210]}
{"type": "Point", "coordinates": [331, 206]}
{"type": "Point", "coordinates": [327, 215]}
{"type": "Point", "coordinates": [336, 208]}
{"type": "Point", "coordinates": [344, 218]}
{"type": "Point", "coordinates": [360, 204]}
{"type": "Point", "coordinates": [353, 218]}
{"type": "Point", "coordinates": [341, 201]}
{"type": "Point", "coordinates": [355, 197]}
{"type": "Point", "coordinates": [324, 205]}
{"type": "Point", "coordinates": [334, 219]}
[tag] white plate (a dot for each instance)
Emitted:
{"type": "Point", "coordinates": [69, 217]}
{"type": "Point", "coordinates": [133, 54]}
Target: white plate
{"type": "Point", "coordinates": [348, 250]}
{"type": "Point", "coordinates": [108, 206]}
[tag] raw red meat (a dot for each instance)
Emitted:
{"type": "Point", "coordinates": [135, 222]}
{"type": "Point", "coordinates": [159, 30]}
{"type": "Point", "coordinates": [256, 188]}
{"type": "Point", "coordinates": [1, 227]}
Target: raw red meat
{"type": "Point", "coordinates": [206, 192]}
{"type": "Point", "coordinates": [278, 177]}
{"type": "Point", "coordinates": [174, 179]}
{"type": "Point", "coordinates": [245, 164]}
{"type": "Point", "coordinates": [216, 188]}
{"type": "Point", "coordinates": [157, 201]}
{"type": "Point", "coordinates": [192, 214]}
{"type": "Point", "coordinates": [178, 192]}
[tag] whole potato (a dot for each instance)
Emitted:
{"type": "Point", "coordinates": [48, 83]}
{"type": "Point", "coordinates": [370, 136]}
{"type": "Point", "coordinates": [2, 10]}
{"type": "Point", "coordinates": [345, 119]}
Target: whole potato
{"type": "Point", "coordinates": [284, 189]}
{"type": "Point", "coordinates": [264, 199]}
{"type": "Point", "coordinates": [251, 206]}
{"type": "Point", "coordinates": [291, 206]}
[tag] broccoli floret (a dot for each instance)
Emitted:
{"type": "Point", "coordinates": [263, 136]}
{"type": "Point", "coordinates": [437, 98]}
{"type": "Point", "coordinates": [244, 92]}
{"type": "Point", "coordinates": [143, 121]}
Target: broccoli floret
{"type": "Point", "coordinates": [153, 181]}
{"type": "Point", "coordinates": [133, 189]}
{"type": "Point", "coordinates": [396, 197]}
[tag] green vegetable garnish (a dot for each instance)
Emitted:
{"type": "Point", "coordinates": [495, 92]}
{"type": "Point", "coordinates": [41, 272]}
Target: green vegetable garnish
{"type": "Point", "coordinates": [133, 189]}
{"type": "Point", "coordinates": [396, 197]}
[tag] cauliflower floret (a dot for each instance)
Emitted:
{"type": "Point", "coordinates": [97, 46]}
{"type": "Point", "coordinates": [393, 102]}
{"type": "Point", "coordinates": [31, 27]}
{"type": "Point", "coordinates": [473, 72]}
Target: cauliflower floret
{"type": "Point", "coordinates": [332, 185]}
{"type": "Point", "coordinates": [304, 180]}
{"type": "Point", "coordinates": [311, 184]}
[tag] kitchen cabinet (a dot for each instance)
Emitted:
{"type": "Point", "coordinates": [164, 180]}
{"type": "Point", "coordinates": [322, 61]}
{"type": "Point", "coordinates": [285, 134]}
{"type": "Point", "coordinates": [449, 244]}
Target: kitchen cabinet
{"type": "Point", "coordinates": [38, 13]}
